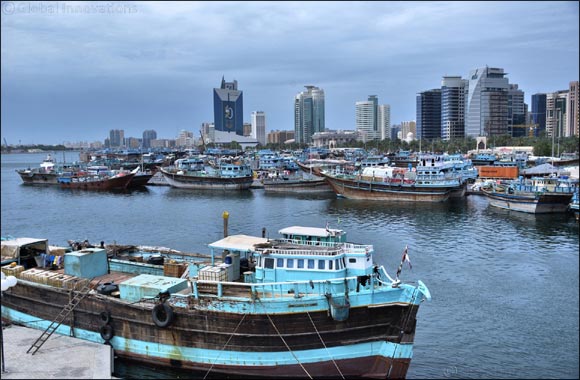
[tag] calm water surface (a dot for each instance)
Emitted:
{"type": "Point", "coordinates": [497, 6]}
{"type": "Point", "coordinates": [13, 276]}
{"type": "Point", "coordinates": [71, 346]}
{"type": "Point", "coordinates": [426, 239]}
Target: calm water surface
{"type": "Point", "coordinates": [504, 284]}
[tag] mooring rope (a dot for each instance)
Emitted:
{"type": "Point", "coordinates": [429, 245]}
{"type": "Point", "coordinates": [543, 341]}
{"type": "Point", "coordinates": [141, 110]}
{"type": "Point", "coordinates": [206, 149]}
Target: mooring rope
{"type": "Point", "coordinates": [320, 337]}
{"type": "Point", "coordinates": [283, 340]}
{"type": "Point", "coordinates": [225, 345]}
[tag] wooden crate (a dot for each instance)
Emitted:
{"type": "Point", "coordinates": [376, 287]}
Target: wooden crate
{"type": "Point", "coordinates": [173, 269]}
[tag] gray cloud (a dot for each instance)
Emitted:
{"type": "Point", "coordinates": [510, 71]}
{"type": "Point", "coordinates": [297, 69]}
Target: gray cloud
{"type": "Point", "coordinates": [91, 67]}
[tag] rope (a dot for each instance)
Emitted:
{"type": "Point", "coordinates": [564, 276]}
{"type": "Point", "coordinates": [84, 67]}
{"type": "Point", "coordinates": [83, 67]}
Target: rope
{"type": "Point", "coordinates": [331, 358]}
{"type": "Point", "coordinates": [225, 345]}
{"type": "Point", "coordinates": [286, 344]}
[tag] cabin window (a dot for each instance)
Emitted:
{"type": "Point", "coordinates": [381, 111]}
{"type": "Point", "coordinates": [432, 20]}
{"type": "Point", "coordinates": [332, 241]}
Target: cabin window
{"type": "Point", "coordinates": [330, 264]}
{"type": "Point", "coordinates": [280, 263]}
{"type": "Point", "coordinates": [352, 260]}
{"type": "Point", "coordinates": [310, 264]}
{"type": "Point", "coordinates": [269, 263]}
{"type": "Point", "coordinates": [290, 263]}
{"type": "Point", "coordinates": [300, 263]}
{"type": "Point", "coordinates": [321, 264]}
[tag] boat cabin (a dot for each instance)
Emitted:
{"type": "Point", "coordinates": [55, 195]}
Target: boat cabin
{"type": "Point", "coordinates": [302, 254]}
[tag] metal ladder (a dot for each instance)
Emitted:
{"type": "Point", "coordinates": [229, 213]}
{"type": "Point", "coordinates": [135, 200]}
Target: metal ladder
{"type": "Point", "coordinates": [68, 308]}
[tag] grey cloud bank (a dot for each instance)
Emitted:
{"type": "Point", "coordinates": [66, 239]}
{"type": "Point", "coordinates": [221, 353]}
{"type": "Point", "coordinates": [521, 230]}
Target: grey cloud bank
{"type": "Point", "coordinates": [71, 76]}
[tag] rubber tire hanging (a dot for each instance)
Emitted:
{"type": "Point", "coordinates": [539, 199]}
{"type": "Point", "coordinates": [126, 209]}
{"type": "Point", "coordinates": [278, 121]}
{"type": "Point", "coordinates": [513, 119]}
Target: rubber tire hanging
{"type": "Point", "coordinates": [162, 315]}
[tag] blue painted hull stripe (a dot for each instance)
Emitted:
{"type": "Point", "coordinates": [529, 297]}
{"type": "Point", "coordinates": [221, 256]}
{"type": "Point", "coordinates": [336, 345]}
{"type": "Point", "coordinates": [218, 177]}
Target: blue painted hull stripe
{"type": "Point", "coordinates": [225, 357]}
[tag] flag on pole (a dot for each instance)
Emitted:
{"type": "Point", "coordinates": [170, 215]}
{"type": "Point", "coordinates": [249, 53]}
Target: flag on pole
{"type": "Point", "coordinates": [327, 227]}
{"type": "Point", "coordinates": [406, 257]}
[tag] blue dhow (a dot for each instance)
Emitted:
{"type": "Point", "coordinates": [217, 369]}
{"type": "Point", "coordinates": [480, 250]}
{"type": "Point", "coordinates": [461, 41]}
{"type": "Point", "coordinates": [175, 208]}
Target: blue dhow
{"type": "Point", "coordinates": [307, 305]}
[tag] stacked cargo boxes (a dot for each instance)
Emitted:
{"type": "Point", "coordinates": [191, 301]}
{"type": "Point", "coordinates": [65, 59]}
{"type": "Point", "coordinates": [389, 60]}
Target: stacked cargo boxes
{"type": "Point", "coordinates": [55, 279]}
{"type": "Point", "coordinates": [15, 271]}
{"type": "Point", "coordinates": [213, 273]}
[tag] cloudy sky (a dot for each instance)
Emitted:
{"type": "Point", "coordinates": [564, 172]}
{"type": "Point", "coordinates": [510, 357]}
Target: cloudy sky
{"type": "Point", "coordinates": [72, 71]}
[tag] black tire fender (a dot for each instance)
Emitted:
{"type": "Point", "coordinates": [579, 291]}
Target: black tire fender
{"type": "Point", "coordinates": [107, 332]}
{"type": "Point", "coordinates": [162, 315]}
{"type": "Point", "coordinates": [105, 317]}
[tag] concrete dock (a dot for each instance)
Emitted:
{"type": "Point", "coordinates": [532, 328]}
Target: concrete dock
{"type": "Point", "coordinates": [61, 357]}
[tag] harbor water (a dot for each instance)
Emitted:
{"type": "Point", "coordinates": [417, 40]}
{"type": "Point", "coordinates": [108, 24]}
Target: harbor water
{"type": "Point", "coordinates": [504, 284]}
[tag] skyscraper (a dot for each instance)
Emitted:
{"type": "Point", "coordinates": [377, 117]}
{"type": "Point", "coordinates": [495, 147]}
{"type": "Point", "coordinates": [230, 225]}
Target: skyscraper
{"type": "Point", "coordinates": [486, 108]}
{"type": "Point", "coordinates": [228, 108]}
{"type": "Point", "coordinates": [148, 135]}
{"type": "Point", "coordinates": [556, 113]}
{"type": "Point", "coordinates": [308, 114]}
{"type": "Point", "coordinates": [516, 111]}
{"type": "Point", "coordinates": [367, 118]}
{"type": "Point", "coordinates": [453, 90]}
{"type": "Point", "coordinates": [116, 138]}
{"type": "Point", "coordinates": [573, 110]}
{"type": "Point", "coordinates": [259, 126]}
{"type": "Point", "coordinates": [385, 121]}
{"type": "Point", "coordinates": [539, 113]}
{"type": "Point", "coordinates": [429, 114]}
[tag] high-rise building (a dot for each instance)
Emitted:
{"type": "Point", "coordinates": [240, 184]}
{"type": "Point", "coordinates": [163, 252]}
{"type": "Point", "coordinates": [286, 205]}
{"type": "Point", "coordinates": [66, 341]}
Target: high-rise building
{"type": "Point", "coordinates": [538, 114]}
{"type": "Point", "coordinates": [453, 90]}
{"type": "Point", "coordinates": [148, 135]}
{"type": "Point", "coordinates": [367, 119]}
{"type": "Point", "coordinates": [248, 129]}
{"type": "Point", "coordinates": [486, 106]}
{"type": "Point", "coordinates": [516, 111]}
{"type": "Point", "coordinates": [573, 110]}
{"type": "Point", "coordinates": [308, 114]}
{"type": "Point", "coordinates": [185, 139]}
{"type": "Point", "coordinates": [116, 138]}
{"type": "Point", "coordinates": [228, 108]}
{"type": "Point", "coordinates": [259, 126]}
{"type": "Point", "coordinates": [385, 121]}
{"type": "Point", "coordinates": [408, 130]}
{"type": "Point", "coordinates": [556, 115]}
{"type": "Point", "coordinates": [280, 137]}
{"type": "Point", "coordinates": [429, 114]}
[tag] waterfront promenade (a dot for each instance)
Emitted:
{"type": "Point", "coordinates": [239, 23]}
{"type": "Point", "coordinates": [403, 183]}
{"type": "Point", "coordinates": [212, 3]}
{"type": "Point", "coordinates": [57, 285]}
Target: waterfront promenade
{"type": "Point", "coordinates": [61, 357]}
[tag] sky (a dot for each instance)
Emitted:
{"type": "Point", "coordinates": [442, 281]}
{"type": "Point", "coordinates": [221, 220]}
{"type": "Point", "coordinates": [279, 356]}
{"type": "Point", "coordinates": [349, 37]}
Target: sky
{"type": "Point", "coordinates": [72, 71]}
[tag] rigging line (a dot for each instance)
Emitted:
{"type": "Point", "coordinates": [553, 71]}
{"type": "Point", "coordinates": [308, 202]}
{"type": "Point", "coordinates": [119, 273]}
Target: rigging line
{"type": "Point", "coordinates": [225, 345]}
{"type": "Point", "coordinates": [283, 340]}
{"type": "Point", "coordinates": [324, 344]}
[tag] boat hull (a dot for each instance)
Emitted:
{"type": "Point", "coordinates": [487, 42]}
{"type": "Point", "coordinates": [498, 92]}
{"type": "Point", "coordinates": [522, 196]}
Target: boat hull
{"type": "Point", "coordinates": [297, 186]}
{"type": "Point", "coordinates": [360, 189]}
{"type": "Point", "coordinates": [207, 182]}
{"type": "Point", "coordinates": [36, 178]}
{"type": "Point", "coordinates": [140, 180]}
{"type": "Point", "coordinates": [545, 203]}
{"type": "Point", "coordinates": [120, 182]}
{"type": "Point", "coordinates": [375, 341]}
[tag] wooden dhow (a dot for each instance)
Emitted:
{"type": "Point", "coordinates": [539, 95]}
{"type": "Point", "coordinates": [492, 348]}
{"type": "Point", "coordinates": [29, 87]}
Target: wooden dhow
{"type": "Point", "coordinates": [307, 305]}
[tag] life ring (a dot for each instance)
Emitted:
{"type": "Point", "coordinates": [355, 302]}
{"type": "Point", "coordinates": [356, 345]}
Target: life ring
{"type": "Point", "coordinates": [105, 317]}
{"type": "Point", "coordinates": [107, 332]}
{"type": "Point", "coordinates": [162, 315]}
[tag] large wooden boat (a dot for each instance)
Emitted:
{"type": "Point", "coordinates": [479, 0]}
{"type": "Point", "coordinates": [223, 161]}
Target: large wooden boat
{"type": "Point", "coordinates": [307, 305]}
{"type": "Point", "coordinates": [194, 175]}
{"type": "Point", "coordinates": [297, 183]}
{"type": "Point", "coordinates": [47, 173]}
{"type": "Point", "coordinates": [396, 184]}
{"type": "Point", "coordinates": [538, 195]}
{"type": "Point", "coordinates": [101, 181]}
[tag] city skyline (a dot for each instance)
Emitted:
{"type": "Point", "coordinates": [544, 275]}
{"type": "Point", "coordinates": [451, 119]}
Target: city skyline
{"type": "Point", "coordinates": [75, 71]}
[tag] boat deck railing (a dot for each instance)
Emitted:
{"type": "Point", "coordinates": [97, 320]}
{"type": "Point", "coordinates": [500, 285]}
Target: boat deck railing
{"type": "Point", "coordinates": [280, 290]}
{"type": "Point", "coordinates": [351, 248]}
